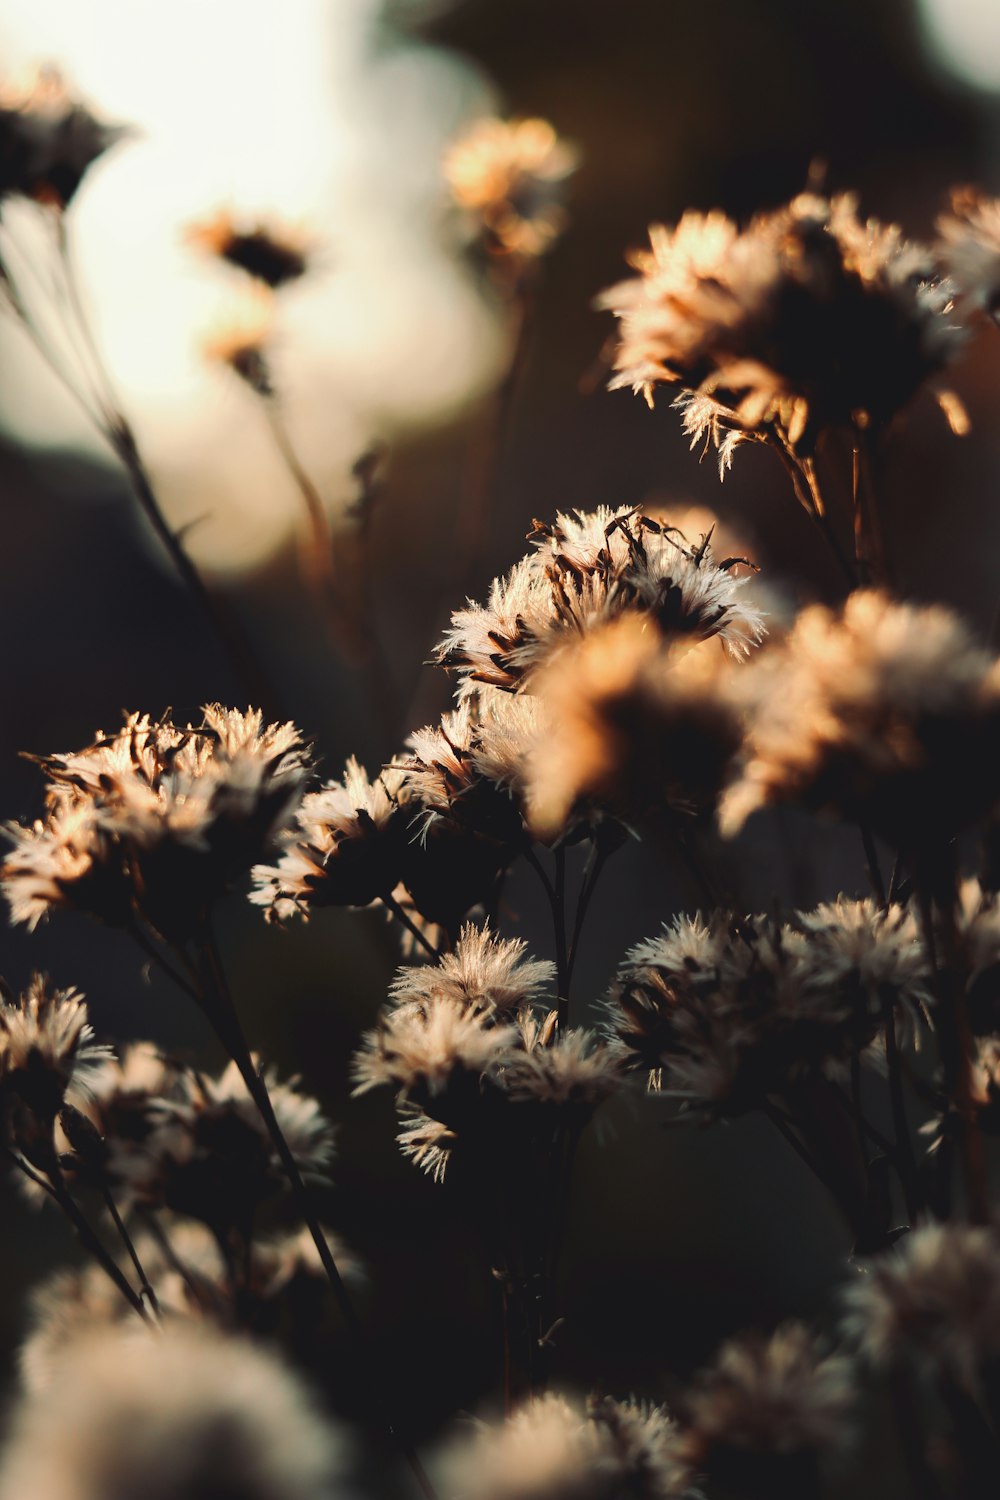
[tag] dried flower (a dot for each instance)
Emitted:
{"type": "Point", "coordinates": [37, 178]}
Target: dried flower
{"type": "Point", "coordinates": [809, 319]}
{"type": "Point", "coordinates": [550, 1449]}
{"type": "Point", "coordinates": [484, 973]}
{"type": "Point", "coordinates": [48, 140]}
{"type": "Point", "coordinates": [969, 247]}
{"type": "Point", "coordinates": [345, 849]}
{"type": "Point", "coordinates": [632, 726]}
{"type": "Point", "coordinates": [272, 254]}
{"type": "Point", "coordinates": [172, 815]}
{"type": "Point", "coordinates": [585, 570]}
{"type": "Point", "coordinates": [575, 1070]}
{"type": "Point", "coordinates": [934, 1298]}
{"type": "Point", "coordinates": [767, 1408]}
{"type": "Point", "coordinates": [884, 713]}
{"type": "Point", "coordinates": [507, 177]}
{"type": "Point", "coordinates": [241, 342]}
{"type": "Point", "coordinates": [188, 1412]}
{"type": "Point", "coordinates": [421, 1046]}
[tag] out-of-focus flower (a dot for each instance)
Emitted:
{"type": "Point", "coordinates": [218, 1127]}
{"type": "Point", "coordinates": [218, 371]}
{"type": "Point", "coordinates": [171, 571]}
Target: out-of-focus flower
{"type": "Point", "coordinates": [884, 713]}
{"type": "Point", "coordinates": [169, 1416]}
{"type": "Point", "coordinates": [934, 1298]}
{"type": "Point", "coordinates": [272, 254]}
{"type": "Point", "coordinates": [48, 140]}
{"type": "Point", "coordinates": [969, 247]}
{"type": "Point", "coordinates": [584, 571]}
{"type": "Point", "coordinates": [158, 817]}
{"type": "Point", "coordinates": [810, 319]}
{"type": "Point", "coordinates": [241, 343]}
{"type": "Point", "coordinates": [574, 1069]}
{"type": "Point", "coordinates": [551, 1449]}
{"type": "Point", "coordinates": [507, 178]}
{"type": "Point", "coordinates": [767, 1409]}
{"type": "Point", "coordinates": [632, 726]}
{"type": "Point", "coordinates": [871, 956]}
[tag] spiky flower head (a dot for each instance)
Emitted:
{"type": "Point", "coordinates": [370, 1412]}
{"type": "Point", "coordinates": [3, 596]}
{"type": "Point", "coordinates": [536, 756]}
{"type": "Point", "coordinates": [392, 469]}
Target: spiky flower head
{"type": "Point", "coordinates": [48, 140]}
{"type": "Point", "coordinates": [157, 817]}
{"type": "Point", "coordinates": [809, 319]}
{"type": "Point", "coordinates": [585, 570]}
{"type": "Point", "coordinates": [484, 973]}
{"type": "Point", "coordinates": [187, 1412]}
{"type": "Point", "coordinates": [574, 1071]}
{"type": "Point", "coordinates": [507, 178]}
{"type": "Point", "coordinates": [272, 254]}
{"type": "Point", "coordinates": [553, 1449]}
{"type": "Point", "coordinates": [633, 727]}
{"type": "Point", "coordinates": [883, 713]}
{"type": "Point", "coordinates": [767, 1409]}
{"type": "Point", "coordinates": [933, 1299]}
{"type": "Point", "coordinates": [345, 847]}
{"type": "Point", "coordinates": [422, 1047]}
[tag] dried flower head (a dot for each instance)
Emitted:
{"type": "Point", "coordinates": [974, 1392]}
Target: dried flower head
{"type": "Point", "coordinates": [172, 815]}
{"type": "Point", "coordinates": [632, 726]}
{"type": "Point", "coordinates": [47, 1054]}
{"type": "Point", "coordinates": [551, 1449]}
{"type": "Point", "coordinates": [345, 848]}
{"type": "Point", "coordinates": [48, 140]}
{"type": "Point", "coordinates": [807, 320]}
{"type": "Point", "coordinates": [767, 1408]}
{"type": "Point", "coordinates": [585, 570]}
{"type": "Point", "coordinates": [186, 1413]}
{"type": "Point", "coordinates": [484, 973]}
{"type": "Point", "coordinates": [721, 1014]}
{"type": "Point", "coordinates": [574, 1070]}
{"type": "Point", "coordinates": [871, 956]}
{"type": "Point", "coordinates": [934, 1298]}
{"type": "Point", "coordinates": [241, 342]}
{"type": "Point", "coordinates": [969, 247]}
{"type": "Point", "coordinates": [272, 254]}
{"type": "Point", "coordinates": [884, 713]}
{"type": "Point", "coordinates": [422, 1047]}
{"type": "Point", "coordinates": [507, 177]}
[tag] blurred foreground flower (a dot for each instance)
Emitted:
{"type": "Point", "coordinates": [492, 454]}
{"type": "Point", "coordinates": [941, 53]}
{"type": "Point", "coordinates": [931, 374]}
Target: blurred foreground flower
{"type": "Point", "coordinates": [48, 140]}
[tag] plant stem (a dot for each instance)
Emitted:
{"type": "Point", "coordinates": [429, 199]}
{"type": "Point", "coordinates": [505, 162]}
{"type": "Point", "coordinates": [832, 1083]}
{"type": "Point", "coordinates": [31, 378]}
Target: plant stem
{"type": "Point", "coordinates": [402, 915]}
{"type": "Point", "coordinates": [133, 1256]}
{"type": "Point", "coordinates": [905, 1162]}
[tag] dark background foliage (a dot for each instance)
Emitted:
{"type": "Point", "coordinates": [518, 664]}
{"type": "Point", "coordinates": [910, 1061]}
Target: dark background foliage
{"type": "Point", "coordinates": [678, 1236]}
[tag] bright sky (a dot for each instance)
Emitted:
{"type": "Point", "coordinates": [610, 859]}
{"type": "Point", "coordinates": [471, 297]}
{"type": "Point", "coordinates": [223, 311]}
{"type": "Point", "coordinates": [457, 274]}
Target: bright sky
{"type": "Point", "coordinates": [300, 108]}
{"type": "Point", "coordinates": [965, 36]}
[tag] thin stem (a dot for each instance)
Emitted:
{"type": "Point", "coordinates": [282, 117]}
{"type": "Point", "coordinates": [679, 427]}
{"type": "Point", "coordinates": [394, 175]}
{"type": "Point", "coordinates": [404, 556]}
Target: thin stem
{"type": "Point", "coordinates": [906, 1165]}
{"type": "Point", "coordinates": [813, 506]}
{"type": "Point", "coordinates": [559, 933]}
{"type": "Point", "coordinates": [403, 916]}
{"type": "Point", "coordinates": [57, 1191]}
{"type": "Point", "coordinates": [596, 861]}
{"type": "Point", "coordinates": [156, 1229]}
{"type": "Point", "coordinates": [872, 865]}
{"type": "Point", "coordinates": [133, 1255]}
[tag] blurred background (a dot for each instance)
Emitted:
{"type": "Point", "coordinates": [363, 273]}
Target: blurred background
{"type": "Point", "coordinates": [333, 114]}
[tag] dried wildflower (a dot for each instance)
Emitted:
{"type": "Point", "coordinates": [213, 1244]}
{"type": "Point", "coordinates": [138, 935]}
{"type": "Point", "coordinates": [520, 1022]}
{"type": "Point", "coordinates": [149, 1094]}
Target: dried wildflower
{"type": "Point", "coordinates": [507, 177]}
{"type": "Point", "coordinates": [550, 1449]}
{"type": "Point", "coordinates": [767, 1408]}
{"type": "Point", "coordinates": [421, 1047]}
{"type": "Point", "coordinates": [484, 973]}
{"type": "Point", "coordinates": [48, 140]}
{"type": "Point", "coordinates": [272, 254]}
{"type": "Point", "coordinates": [969, 247]}
{"type": "Point", "coordinates": [176, 814]}
{"type": "Point", "coordinates": [934, 1298]}
{"type": "Point", "coordinates": [428, 1143]}
{"type": "Point", "coordinates": [809, 319]}
{"type": "Point", "coordinates": [584, 571]}
{"type": "Point", "coordinates": [47, 1053]}
{"type": "Point", "coordinates": [209, 1154]}
{"type": "Point", "coordinates": [633, 727]}
{"type": "Point", "coordinates": [575, 1070]}
{"type": "Point", "coordinates": [884, 713]}
{"type": "Point", "coordinates": [187, 1413]}
{"type": "Point", "coordinates": [345, 849]}
{"type": "Point", "coordinates": [241, 343]}
{"type": "Point", "coordinates": [720, 1013]}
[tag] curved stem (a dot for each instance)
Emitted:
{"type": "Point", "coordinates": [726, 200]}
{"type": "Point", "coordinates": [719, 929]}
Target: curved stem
{"type": "Point", "coordinates": [133, 1256]}
{"type": "Point", "coordinates": [403, 916]}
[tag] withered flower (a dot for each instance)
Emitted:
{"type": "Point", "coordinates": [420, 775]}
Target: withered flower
{"type": "Point", "coordinates": [484, 973]}
{"type": "Point", "coordinates": [241, 343]}
{"type": "Point", "coordinates": [884, 713]}
{"type": "Point", "coordinates": [933, 1299]}
{"type": "Point", "coordinates": [171, 816]}
{"type": "Point", "coordinates": [271, 254]}
{"type": "Point", "coordinates": [767, 1409]}
{"type": "Point", "coordinates": [809, 319]}
{"type": "Point", "coordinates": [184, 1412]}
{"type": "Point", "coordinates": [633, 726]}
{"type": "Point", "coordinates": [969, 248]}
{"type": "Point", "coordinates": [48, 140]}
{"type": "Point", "coordinates": [506, 177]}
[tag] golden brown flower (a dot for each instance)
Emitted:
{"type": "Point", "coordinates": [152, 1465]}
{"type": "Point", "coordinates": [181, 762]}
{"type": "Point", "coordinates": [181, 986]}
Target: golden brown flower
{"type": "Point", "coordinates": [272, 254]}
{"type": "Point", "coordinates": [969, 247]}
{"type": "Point", "coordinates": [506, 177]}
{"type": "Point", "coordinates": [484, 973]}
{"type": "Point", "coordinates": [241, 342]}
{"type": "Point", "coordinates": [48, 140]}
{"type": "Point", "coordinates": [809, 319]}
{"type": "Point", "coordinates": [884, 713]}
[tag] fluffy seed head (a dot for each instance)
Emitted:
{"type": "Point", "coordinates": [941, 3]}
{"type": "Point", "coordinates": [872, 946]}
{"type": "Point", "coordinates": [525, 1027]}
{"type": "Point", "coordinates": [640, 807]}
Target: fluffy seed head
{"type": "Point", "coordinates": [484, 973]}
{"type": "Point", "coordinates": [969, 248]}
{"type": "Point", "coordinates": [507, 177]}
